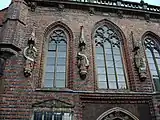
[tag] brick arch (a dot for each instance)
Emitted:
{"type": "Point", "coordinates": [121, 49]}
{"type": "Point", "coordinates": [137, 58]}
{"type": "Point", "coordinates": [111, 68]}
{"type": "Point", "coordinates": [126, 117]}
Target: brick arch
{"type": "Point", "coordinates": [117, 113]}
{"type": "Point", "coordinates": [58, 24]}
{"type": "Point", "coordinates": [125, 49]}
{"type": "Point", "coordinates": [110, 24]}
{"type": "Point", "coordinates": [70, 56]}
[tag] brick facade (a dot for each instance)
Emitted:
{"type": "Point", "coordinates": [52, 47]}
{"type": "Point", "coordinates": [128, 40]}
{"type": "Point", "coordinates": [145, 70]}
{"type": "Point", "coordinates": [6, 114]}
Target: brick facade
{"type": "Point", "coordinates": [20, 93]}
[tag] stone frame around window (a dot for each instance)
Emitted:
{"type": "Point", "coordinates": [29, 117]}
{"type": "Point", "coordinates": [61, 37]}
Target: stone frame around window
{"type": "Point", "coordinates": [121, 38]}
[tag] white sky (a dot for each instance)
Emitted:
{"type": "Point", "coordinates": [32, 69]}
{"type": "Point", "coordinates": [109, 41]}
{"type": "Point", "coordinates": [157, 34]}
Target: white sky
{"type": "Point", "coordinates": [5, 3]}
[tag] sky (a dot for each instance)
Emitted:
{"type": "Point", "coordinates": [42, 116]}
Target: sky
{"type": "Point", "coordinates": [5, 3]}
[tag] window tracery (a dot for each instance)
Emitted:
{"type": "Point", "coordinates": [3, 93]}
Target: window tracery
{"type": "Point", "coordinates": [55, 70]}
{"type": "Point", "coordinates": [110, 68]}
{"type": "Point", "coordinates": [153, 56]}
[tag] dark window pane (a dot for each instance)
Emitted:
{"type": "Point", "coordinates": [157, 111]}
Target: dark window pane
{"type": "Point", "coordinates": [157, 83]}
{"type": "Point", "coordinates": [58, 116]}
{"type": "Point", "coordinates": [48, 116]}
{"type": "Point", "coordinates": [37, 115]}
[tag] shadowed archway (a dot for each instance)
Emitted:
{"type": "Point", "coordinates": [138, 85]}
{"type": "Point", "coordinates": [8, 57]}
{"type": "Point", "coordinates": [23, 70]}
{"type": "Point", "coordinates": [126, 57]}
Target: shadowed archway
{"type": "Point", "coordinates": [117, 113]}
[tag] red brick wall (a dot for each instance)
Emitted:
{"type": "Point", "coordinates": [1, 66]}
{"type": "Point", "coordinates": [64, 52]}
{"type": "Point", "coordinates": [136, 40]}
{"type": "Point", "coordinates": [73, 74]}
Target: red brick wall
{"type": "Point", "coordinates": [20, 92]}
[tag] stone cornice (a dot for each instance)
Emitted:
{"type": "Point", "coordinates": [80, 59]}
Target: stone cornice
{"type": "Point", "coordinates": [113, 5]}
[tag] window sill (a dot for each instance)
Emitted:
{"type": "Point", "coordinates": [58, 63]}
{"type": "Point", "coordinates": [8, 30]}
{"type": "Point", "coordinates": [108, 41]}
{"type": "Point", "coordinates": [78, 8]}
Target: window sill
{"type": "Point", "coordinates": [53, 90]}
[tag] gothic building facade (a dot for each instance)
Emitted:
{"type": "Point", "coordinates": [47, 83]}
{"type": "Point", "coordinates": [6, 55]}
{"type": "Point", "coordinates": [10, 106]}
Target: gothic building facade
{"type": "Point", "coordinates": [79, 60]}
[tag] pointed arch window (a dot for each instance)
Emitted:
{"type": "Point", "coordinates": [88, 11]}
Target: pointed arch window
{"type": "Point", "coordinates": [109, 60]}
{"type": "Point", "coordinates": [55, 69]}
{"type": "Point", "coordinates": [153, 56]}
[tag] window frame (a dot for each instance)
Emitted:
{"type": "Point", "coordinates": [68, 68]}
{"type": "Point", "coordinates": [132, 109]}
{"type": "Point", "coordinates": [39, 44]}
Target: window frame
{"type": "Point", "coordinates": [157, 48]}
{"type": "Point", "coordinates": [122, 55]}
{"type": "Point", "coordinates": [46, 44]}
{"type": "Point", "coordinates": [53, 110]}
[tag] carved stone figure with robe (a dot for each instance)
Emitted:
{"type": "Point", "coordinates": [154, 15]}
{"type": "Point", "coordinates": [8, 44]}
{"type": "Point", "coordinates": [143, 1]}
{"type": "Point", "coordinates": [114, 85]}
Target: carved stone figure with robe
{"type": "Point", "coordinates": [140, 60]}
{"type": "Point", "coordinates": [30, 55]}
{"type": "Point", "coordinates": [83, 62]}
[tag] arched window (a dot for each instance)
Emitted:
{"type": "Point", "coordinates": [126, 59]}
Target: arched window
{"type": "Point", "coordinates": [55, 68]}
{"type": "Point", "coordinates": [153, 56]}
{"type": "Point", "coordinates": [109, 59]}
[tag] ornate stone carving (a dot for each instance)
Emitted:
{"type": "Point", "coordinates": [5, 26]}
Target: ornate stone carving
{"type": "Point", "coordinates": [60, 7]}
{"type": "Point", "coordinates": [139, 59]}
{"type": "Point", "coordinates": [83, 62]}
{"type": "Point", "coordinates": [32, 5]}
{"type": "Point", "coordinates": [30, 55]}
{"type": "Point", "coordinates": [117, 114]}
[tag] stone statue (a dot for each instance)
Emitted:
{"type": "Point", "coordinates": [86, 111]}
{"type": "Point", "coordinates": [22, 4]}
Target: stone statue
{"type": "Point", "coordinates": [139, 59]}
{"type": "Point", "coordinates": [83, 62]}
{"type": "Point", "coordinates": [140, 62]}
{"type": "Point", "coordinates": [30, 55]}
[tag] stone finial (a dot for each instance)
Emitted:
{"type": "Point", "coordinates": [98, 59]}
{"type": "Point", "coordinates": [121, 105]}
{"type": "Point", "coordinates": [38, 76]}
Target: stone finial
{"type": "Point", "coordinates": [82, 41]}
{"type": "Point", "coordinates": [30, 55]}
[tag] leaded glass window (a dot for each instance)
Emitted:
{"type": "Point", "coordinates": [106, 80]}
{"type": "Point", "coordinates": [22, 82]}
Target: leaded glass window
{"type": "Point", "coordinates": [153, 57]}
{"type": "Point", "coordinates": [55, 69]}
{"type": "Point", "coordinates": [109, 62]}
{"type": "Point", "coordinates": [50, 115]}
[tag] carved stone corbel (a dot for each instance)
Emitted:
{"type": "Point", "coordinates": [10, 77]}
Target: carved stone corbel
{"type": "Point", "coordinates": [139, 59]}
{"type": "Point", "coordinates": [91, 10]}
{"type": "Point", "coordinates": [60, 7]}
{"type": "Point", "coordinates": [83, 62]}
{"type": "Point", "coordinates": [30, 55]}
{"type": "Point", "coordinates": [120, 13]}
{"type": "Point", "coordinates": [32, 5]}
{"type": "Point", "coordinates": [147, 17]}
